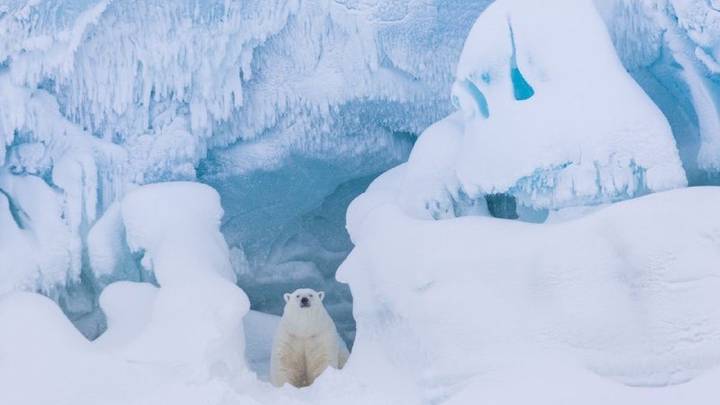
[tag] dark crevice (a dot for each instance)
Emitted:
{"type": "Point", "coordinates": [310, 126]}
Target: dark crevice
{"type": "Point", "coordinates": [502, 205]}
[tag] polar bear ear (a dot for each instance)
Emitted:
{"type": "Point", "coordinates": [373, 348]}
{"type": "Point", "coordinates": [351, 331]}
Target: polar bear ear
{"type": "Point", "coordinates": [321, 295]}
{"type": "Point", "coordinates": [287, 297]}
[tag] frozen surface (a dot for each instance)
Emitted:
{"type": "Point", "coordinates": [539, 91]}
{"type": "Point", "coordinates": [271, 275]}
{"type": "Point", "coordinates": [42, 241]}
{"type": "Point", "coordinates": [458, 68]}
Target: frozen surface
{"type": "Point", "coordinates": [671, 48]}
{"type": "Point", "coordinates": [259, 333]}
{"type": "Point", "coordinates": [289, 109]}
{"type": "Point", "coordinates": [625, 314]}
{"type": "Point", "coordinates": [588, 132]}
{"type": "Point", "coordinates": [612, 292]}
{"type": "Point", "coordinates": [99, 96]}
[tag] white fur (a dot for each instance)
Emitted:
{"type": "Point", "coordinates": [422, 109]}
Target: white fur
{"type": "Point", "coordinates": [306, 341]}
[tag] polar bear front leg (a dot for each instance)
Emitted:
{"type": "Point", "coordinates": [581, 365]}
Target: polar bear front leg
{"type": "Point", "coordinates": [322, 352]}
{"type": "Point", "coordinates": [287, 363]}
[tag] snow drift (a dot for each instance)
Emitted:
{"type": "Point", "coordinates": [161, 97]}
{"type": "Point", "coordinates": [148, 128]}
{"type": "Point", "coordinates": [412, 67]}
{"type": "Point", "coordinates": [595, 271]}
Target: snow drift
{"type": "Point", "coordinates": [447, 311]}
{"type": "Point", "coordinates": [629, 292]}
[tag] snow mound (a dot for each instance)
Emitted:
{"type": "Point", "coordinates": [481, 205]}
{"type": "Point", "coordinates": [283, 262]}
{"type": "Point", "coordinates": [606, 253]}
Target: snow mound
{"type": "Point", "coordinates": [628, 292]}
{"type": "Point", "coordinates": [198, 310]}
{"type": "Point", "coordinates": [448, 311]}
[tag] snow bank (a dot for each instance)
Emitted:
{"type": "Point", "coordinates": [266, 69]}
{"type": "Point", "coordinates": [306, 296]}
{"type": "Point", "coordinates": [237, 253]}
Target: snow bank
{"type": "Point", "coordinates": [188, 327]}
{"type": "Point", "coordinates": [628, 293]}
{"type": "Point", "coordinates": [196, 316]}
{"type": "Point", "coordinates": [448, 311]}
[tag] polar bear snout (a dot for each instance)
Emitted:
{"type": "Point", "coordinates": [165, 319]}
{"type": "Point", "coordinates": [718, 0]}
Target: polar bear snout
{"type": "Point", "coordinates": [304, 302]}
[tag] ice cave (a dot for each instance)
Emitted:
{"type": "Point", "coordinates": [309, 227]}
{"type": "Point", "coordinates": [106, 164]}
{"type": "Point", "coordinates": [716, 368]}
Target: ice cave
{"type": "Point", "coordinates": [504, 201]}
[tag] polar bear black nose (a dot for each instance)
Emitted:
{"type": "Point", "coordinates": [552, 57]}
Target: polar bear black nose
{"type": "Point", "coordinates": [304, 301]}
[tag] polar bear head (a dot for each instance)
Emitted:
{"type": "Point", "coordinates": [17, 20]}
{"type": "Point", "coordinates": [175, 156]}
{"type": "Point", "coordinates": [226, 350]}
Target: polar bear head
{"type": "Point", "coordinates": [304, 313]}
{"type": "Point", "coordinates": [304, 298]}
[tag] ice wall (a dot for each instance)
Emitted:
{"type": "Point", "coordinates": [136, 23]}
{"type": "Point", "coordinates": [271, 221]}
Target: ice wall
{"type": "Point", "coordinates": [671, 48]}
{"type": "Point", "coordinates": [98, 96]}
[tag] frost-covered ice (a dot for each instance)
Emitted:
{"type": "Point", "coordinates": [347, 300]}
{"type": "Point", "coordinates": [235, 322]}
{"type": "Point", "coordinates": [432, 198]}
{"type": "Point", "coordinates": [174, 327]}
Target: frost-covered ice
{"type": "Point", "coordinates": [286, 110]}
{"type": "Point", "coordinates": [101, 95]}
{"type": "Point", "coordinates": [550, 120]}
{"type": "Point", "coordinates": [98, 96]}
{"type": "Point", "coordinates": [671, 48]}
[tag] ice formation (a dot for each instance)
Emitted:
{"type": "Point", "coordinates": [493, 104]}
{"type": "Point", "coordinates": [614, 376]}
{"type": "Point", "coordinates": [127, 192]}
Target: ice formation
{"type": "Point", "coordinates": [550, 120]}
{"type": "Point", "coordinates": [671, 48]}
{"type": "Point", "coordinates": [101, 95]}
{"type": "Point", "coordinates": [287, 110]}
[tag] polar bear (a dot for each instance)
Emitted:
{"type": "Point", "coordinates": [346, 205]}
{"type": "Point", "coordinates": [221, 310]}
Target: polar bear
{"type": "Point", "coordinates": [306, 341]}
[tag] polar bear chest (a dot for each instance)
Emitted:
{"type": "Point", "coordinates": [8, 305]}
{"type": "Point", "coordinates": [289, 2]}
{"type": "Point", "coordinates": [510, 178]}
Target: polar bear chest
{"type": "Point", "coordinates": [303, 359]}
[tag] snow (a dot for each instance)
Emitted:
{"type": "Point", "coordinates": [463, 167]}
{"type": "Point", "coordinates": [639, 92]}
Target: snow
{"type": "Point", "coordinates": [601, 308]}
{"type": "Point", "coordinates": [287, 110]}
{"type": "Point", "coordinates": [101, 96]}
{"type": "Point", "coordinates": [176, 227]}
{"type": "Point", "coordinates": [480, 301]}
{"type": "Point", "coordinates": [671, 47]}
{"type": "Point", "coordinates": [107, 250]}
{"type": "Point", "coordinates": [36, 244]}
{"type": "Point", "coordinates": [521, 80]}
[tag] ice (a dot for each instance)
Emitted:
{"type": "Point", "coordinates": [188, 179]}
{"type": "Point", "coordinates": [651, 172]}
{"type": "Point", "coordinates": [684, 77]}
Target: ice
{"type": "Point", "coordinates": [36, 245]}
{"type": "Point", "coordinates": [176, 227]}
{"type": "Point", "coordinates": [259, 334]}
{"type": "Point", "coordinates": [100, 96]}
{"type": "Point", "coordinates": [107, 248]}
{"type": "Point", "coordinates": [671, 48]}
{"type": "Point", "coordinates": [521, 80]}
{"type": "Point", "coordinates": [289, 109]}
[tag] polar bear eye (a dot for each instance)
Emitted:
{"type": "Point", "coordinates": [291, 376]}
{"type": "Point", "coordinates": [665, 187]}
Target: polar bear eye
{"type": "Point", "coordinates": [310, 295]}
{"type": "Point", "coordinates": [297, 296]}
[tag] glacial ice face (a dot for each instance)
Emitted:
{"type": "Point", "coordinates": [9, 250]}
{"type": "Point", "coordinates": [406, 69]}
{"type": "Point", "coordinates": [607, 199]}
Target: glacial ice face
{"type": "Point", "coordinates": [99, 96]}
{"type": "Point", "coordinates": [672, 48]}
